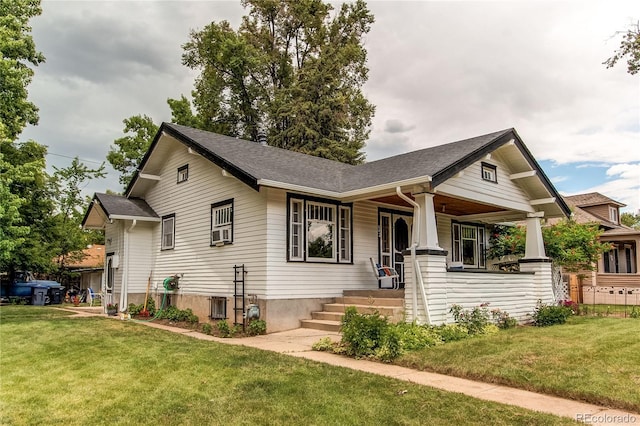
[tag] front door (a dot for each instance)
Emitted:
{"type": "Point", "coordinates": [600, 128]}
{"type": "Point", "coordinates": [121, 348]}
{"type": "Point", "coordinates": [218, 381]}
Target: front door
{"type": "Point", "coordinates": [394, 236]}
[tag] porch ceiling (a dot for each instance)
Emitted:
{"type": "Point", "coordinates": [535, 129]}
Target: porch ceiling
{"type": "Point", "coordinates": [447, 205]}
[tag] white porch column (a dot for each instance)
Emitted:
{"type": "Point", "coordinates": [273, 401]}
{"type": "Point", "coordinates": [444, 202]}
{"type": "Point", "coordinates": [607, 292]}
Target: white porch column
{"type": "Point", "coordinates": [534, 248]}
{"type": "Point", "coordinates": [428, 232]}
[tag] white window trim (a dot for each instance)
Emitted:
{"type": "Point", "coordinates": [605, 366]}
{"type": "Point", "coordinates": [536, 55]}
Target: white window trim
{"type": "Point", "coordinates": [165, 223]}
{"type": "Point", "coordinates": [299, 229]}
{"type": "Point", "coordinates": [457, 245]}
{"type": "Point", "coordinates": [221, 223]}
{"type": "Point", "coordinates": [613, 214]}
{"type": "Point", "coordinates": [183, 173]}
{"type": "Point", "coordinates": [489, 172]}
{"type": "Point", "coordinates": [322, 209]}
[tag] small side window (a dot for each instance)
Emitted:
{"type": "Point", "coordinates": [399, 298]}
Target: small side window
{"type": "Point", "coordinates": [222, 223]}
{"type": "Point", "coordinates": [168, 232]}
{"type": "Point", "coordinates": [183, 173]}
{"type": "Point", "coordinates": [489, 172]}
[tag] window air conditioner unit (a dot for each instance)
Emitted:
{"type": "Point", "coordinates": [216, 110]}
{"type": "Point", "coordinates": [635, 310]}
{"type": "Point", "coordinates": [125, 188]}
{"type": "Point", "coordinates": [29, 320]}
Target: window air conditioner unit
{"type": "Point", "coordinates": [221, 235]}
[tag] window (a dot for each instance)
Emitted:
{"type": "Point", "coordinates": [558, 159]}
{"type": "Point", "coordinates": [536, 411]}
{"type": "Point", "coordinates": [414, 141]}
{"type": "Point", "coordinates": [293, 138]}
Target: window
{"type": "Point", "coordinates": [469, 244]}
{"type": "Point", "coordinates": [168, 232]}
{"type": "Point", "coordinates": [319, 230]}
{"type": "Point", "coordinates": [222, 223]}
{"type": "Point", "coordinates": [613, 214]}
{"type": "Point", "coordinates": [610, 259]}
{"type": "Point", "coordinates": [183, 173]}
{"type": "Point", "coordinates": [489, 172]}
{"type": "Point", "coordinates": [218, 308]}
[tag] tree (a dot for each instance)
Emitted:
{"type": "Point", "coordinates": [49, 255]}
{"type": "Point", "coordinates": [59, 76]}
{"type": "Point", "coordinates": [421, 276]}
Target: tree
{"type": "Point", "coordinates": [631, 220]}
{"type": "Point", "coordinates": [291, 71]}
{"type": "Point", "coordinates": [18, 50]}
{"type": "Point", "coordinates": [68, 184]}
{"type": "Point", "coordinates": [129, 150]}
{"type": "Point", "coordinates": [629, 48]}
{"type": "Point", "coordinates": [572, 245]}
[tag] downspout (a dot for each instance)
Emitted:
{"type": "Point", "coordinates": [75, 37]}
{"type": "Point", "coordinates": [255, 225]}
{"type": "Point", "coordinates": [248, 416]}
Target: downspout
{"type": "Point", "coordinates": [416, 267]}
{"type": "Point", "coordinates": [124, 290]}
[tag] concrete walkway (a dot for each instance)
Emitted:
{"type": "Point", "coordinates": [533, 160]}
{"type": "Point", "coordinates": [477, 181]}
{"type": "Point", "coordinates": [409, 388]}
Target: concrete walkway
{"type": "Point", "coordinates": [298, 343]}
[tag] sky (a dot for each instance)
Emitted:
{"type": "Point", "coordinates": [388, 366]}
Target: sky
{"type": "Point", "coordinates": [439, 71]}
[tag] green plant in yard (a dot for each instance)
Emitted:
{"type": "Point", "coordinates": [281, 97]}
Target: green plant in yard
{"type": "Point", "coordinates": [452, 332]}
{"type": "Point", "coordinates": [178, 315]}
{"type": "Point", "coordinates": [546, 315]}
{"type": "Point", "coordinates": [635, 312]}
{"type": "Point", "coordinates": [476, 320]}
{"type": "Point", "coordinates": [415, 336]}
{"type": "Point", "coordinates": [323, 345]}
{"type": "Point", "coordinates": [502, 319]}
{"type": "Point", "coordinates": [225, 329]}
{"type": "Point", "coordinates": [362, 334]}
{"type": "Point", "coordinates": [207, 328]}
{"type": "Point", "coordinates": [256, 327]}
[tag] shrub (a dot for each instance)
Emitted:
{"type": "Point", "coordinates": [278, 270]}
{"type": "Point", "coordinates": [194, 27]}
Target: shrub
{"type": "Point", "coordinates": [224, 329]}
{"type": "Point", "coordinates": [475, 321]}
{"type": "Point", "coordinates": [136, 309]}
{"type": "Point", "coordinates": [174, 314]}
{"type": "Point", "coordinates": [362, 333]}
{"type": "Point", "coordinates": [414, 337]}
{"type": "Point", "coordinates": [451, 332]}
{"type": "Point", "coordinates": [390, 346]}
{"type": "Point", "coordinates": [207, 328]}
{"type": "Point", "coordinates": [546, 315]}
{"type": "Point", "coordinates": [256, 327]}
{"type": "Point", "coordinates": [502, 319]}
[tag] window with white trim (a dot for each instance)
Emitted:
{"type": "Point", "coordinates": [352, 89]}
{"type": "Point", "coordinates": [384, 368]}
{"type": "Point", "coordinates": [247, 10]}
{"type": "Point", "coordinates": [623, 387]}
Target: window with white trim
{"type": "Point", "coordinates": [222, 223]}
{"type": "Point", "coordinates": [469, 245]}
{"type": "Point", "coordinates": [319, 231]}
{"type": "Point", "coordinates": [168, 232]}
{"type": "Point", "coordinates": [613, 214]}
{"type": "Point", "coordinates": [489, 172]}
{"type": "Point", "coordinates": [183, 173]}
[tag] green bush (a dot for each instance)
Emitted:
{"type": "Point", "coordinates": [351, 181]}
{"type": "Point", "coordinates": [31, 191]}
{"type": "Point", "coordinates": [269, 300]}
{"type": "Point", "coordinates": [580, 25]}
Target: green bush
{"type": "Point", "coordinates": [390, 346]}
{"type": "Point", "coordinates": [362, 333]}
{"type": "Point", "coordinates": [451, 332]}
{"type": "Point", "coordinates": [225, 330]}
{"type": "Point", "coordinates": [256, 327]}
{"type": "Point", "coordinates": [136, 309]}
{"type": "Point", "coordinates": [207, 328]}
{"type": "Point", "coordinates": [178, 315]}
{"type": "Point", "coordinates": [503, 320]}
{"type": "Point", "coordinates": [546, 315]}
{"type": "Point", "coordinates": [414, 337]}
{"type": "Point", "coordinates": [475, 320]}
{"type": "Point", "coordinates": [323, 345]}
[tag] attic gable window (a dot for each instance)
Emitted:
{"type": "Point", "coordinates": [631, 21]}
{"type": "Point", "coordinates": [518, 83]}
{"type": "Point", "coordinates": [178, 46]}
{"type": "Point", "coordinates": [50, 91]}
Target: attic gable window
{"type": "Point", "coordinates": [168, 232]}
{"type": "Point", "coordinates": [319, 230]}
{"type": "Point", "coordinates": [183, 173]}
{"type": "Point", "coordinates": [222, 223]}
{"type": "Point", "coordinates": [613, 214]}
{"type": "Point", "coordinates": [489, 172]}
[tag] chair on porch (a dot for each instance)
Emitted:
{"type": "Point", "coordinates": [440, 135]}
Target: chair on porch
{"type": "Point", "coordinates": [91, 295]}
{"type": "Point", "coordinates": [387, 277]}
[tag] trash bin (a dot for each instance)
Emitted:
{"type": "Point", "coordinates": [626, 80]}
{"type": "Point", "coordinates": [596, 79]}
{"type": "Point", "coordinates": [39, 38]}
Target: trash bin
{"type": "Point", "coordinates": [38, 296]}
{"type": "Point", "coordinates": [56, 296]}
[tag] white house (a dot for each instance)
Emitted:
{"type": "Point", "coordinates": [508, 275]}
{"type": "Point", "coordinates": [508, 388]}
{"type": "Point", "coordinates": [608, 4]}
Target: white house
{"type": "Point", "coordinates": [305, 228]}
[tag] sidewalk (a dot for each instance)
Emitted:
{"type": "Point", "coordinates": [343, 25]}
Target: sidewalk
{"type": "Point", "coordinates": [298, 343]}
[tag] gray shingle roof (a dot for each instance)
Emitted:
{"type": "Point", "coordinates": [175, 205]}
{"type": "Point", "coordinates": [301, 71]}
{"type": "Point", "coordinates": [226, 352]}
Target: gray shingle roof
{"type": "Point", "coordinates": [252, 162]}
{"type": "Point", "coordinates": [121, 206]}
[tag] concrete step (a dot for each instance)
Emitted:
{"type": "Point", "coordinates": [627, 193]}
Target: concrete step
{"type": "Point", "coordinates": [317, 324]}
{"type": "Point", "coordinates": [393, 294]}
{"type": "Point", "coordinates": [372, 301]}
{"type": "Point", "coordinates": [363, 309]}
{"type": "Point", "coordinates": [330, 316]}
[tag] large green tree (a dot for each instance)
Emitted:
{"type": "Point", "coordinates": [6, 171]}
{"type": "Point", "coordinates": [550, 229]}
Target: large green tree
{"type": "Point", "coordinates": [629, 49]}
{"type": "Point", "coordinates": [18, 53]}
{"type": "Point", "coordinates": [293, 71]}
{"type": "Point", "coordinates": [128, 151]}
{"type": "Point", "coordinates": [631, 220]}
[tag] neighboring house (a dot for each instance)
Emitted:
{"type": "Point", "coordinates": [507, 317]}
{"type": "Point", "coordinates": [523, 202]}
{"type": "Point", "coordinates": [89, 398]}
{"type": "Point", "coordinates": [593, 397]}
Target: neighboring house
{"type": "Point", "coordinates": [617, 279]}
{"type": "Point", "coordinates": [304, 228]}
{"type": "Point", "coordinates": [88, 270]}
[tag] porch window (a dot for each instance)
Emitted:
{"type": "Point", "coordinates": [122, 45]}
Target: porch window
{"type": "Point", "coordinates": [319, 230]}
{"type": "Point", "coordinates": [489, 172]}
{"type": "Point", "coordinates": [222, 223]}
{"type": "Point", "coordinates": [183, 173]}
{"type": "Point", "coordinates": [611, 264]}
{"type": "Point", "coordinates": [469, 244]}
{"type": "Point", "coordinates": [168, 232]}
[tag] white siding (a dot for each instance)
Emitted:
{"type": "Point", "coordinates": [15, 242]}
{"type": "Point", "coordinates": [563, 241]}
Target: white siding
{"type": "Point", "coordinates": [470, 185]}
{"type": "Point", "coordinates": [293, 280]}
{"type": "Point", "coordinates": [207, 270]}
{"type": "Point", "coordinates": [140, 256]}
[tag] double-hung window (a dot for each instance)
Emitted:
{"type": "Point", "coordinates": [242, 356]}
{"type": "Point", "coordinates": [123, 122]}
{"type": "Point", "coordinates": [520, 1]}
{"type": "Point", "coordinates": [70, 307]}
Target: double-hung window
{"type": "Point", "coordinates": [489, 172]}
{"type": "Point", "coordinates": [222, 223]}
{"type": "Point", "coordinates": [319, 230]}
{"type": "Point", "coordinates": [468, 245]}
{"type": "Point", "coordinates": [183, 173]}
{"type": "Point", "coordinates": [168, 232]}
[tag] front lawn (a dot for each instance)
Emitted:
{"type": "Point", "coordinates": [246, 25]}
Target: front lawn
{"type": "Point", "coordinates": [56, 370]}
{"type": "Point", "coordinates": [589, 358]}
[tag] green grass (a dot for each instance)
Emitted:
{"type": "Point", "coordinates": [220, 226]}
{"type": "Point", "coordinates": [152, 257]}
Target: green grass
{"type": "Point", "coordinates": [589, 358]}
{"type": "Point", "coordinates": [56, 370]}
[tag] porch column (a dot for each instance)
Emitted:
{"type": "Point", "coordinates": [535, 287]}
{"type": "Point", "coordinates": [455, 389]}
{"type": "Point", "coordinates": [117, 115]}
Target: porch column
{"type": "Point", "coordinates": [534, 248]}
{"type": "Point", "coordinates": [428, 232]}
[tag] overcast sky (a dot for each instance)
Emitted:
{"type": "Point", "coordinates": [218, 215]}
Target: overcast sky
{"type": "Point", "coordinates": [439, 72]}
